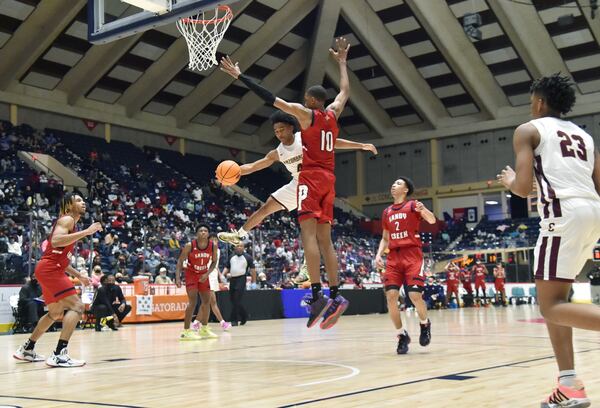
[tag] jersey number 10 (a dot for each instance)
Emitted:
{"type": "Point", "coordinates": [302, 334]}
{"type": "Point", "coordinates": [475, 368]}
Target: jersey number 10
{"type": "Point", "coordinates": [566, 146]}
{"type": "Point", "coordinates": [326, 141]}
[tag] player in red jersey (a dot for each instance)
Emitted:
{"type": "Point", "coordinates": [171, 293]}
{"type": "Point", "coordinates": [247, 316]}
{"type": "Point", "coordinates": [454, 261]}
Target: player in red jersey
{"type": "Point", "coordinates": [452, 273]}
{"type": "Point", "coordinates": [199, 255]}
{"type": "Point", "coordinates": [57, 289]}
{"type": "Point", "coordinates": [405, 265]}
{"type": "Point", "coordinates": [316, 183]}
{"type": "Point", "coordinates": [480, 272]}
{"type": "Point", "coordinates": [499, 278]}
{"type": "Point", "coordinates": [465, 278]}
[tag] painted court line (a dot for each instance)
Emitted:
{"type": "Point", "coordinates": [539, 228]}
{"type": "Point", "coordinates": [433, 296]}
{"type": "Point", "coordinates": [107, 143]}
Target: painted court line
{"type": "Point", "coordinates": [102, 404]}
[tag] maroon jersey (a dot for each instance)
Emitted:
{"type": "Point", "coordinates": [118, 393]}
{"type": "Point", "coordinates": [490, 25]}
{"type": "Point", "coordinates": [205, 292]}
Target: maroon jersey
{"type": "Point", "coordinates": [58, 256]}
{"type": "Point", "coordinates": [479, 271]}
{"type": "Point", "coordinates": [199, 259]}
{"type": "Point", "coordinates": [402, 222]}
{"type": "Point", "coordinates": [318, 141]}
{"type": "Point", "coordinates": [452, 276]}
{"type": "Point", "coordinates": [465, 276]}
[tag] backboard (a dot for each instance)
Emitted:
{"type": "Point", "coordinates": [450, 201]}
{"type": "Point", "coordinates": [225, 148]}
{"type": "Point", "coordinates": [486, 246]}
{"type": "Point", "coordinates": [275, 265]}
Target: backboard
{"type": "Point", "coordinates": [110, 20]}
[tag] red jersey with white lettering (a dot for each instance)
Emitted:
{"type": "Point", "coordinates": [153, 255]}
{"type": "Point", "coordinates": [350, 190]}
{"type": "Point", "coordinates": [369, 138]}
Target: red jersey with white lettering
{"type": "Point", "coordinates": [199, 259]}
{"type": "Point", "coordinates": [402, 222]}
{"type": "Point", "coordinates": [318, 141]}
{"type": "Point", "coordinates": [452, 276]}
{"type": "Point", "coordinates": [479, 271]}
{"type": "Point", "coordinates": [59, 256]}
{"type": "Point", "coordinates": [465, 277]}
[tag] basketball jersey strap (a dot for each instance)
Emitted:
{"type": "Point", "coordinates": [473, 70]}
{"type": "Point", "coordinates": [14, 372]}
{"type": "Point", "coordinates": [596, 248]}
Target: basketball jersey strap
{"type": "Point", "coordinates": [194, 245]}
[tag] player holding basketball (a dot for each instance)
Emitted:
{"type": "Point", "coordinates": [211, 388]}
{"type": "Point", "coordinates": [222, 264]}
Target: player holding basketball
{"type": "Point", "coordinates": [289, 152]}
{"type": "Point", "coordinates": [567, 170]}
{"type": "Point", "coordinates": [57, 289]}
{"type": "Point", "coordinates": [199, 254]}
{"type": "Point", "coordinates": [480, 272]}
{"type": "Point", "coordinates": [316, 182]}
{"type": "Point", "coordinates": [405, 265]}
{"type": "Point", "coordinates": [499, 279]}
{"type": "Point", "coordinates": [452, 272]}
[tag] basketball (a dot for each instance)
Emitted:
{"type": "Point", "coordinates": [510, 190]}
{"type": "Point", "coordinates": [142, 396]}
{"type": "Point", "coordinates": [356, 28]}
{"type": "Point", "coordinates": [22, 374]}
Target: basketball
{"type": "Point", "coordinates": [228, 172]}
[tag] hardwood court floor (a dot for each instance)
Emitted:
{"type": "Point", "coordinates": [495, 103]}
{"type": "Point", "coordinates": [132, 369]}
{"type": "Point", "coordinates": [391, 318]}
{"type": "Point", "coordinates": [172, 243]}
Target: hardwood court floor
{"type": "Point", "coordinates": [478, 358]}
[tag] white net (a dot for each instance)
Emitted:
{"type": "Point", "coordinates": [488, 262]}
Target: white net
{"type": "Point", "coordinates": [203, 33]}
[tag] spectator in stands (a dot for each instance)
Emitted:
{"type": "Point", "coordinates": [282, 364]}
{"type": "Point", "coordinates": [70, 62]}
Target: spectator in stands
{"type": "Point", "coordinates": [102, 307]}
{"type": "Point", "coordinates": [236, 270]}
{"type": "Point", "coordinates": [122, 278]}
{"type": "Point", "coordinates": [14, 246]}
{"type": "Point", "coordinates": [263, 282]}
{"type": "Point", "coordinates": [594, 277]}
{"type": "Point", "coordinates": [119, 305]}
{"type": "Point", "coordinates": [96, 276]}
{"type": "Point", "coordinates": [31, 307]}
{"type": "Point", "coordinates": [162, 278]}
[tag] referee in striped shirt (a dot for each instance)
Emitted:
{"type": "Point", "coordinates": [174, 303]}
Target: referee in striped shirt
{"type": "Point", "coordinates": [237, 267]}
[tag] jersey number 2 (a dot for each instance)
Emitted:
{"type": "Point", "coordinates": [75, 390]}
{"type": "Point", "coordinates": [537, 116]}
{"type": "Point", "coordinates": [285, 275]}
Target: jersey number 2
{"type": "Point", "coordinates": [566, 146]}
{"type": "Point", "coordinates": [326, 141]}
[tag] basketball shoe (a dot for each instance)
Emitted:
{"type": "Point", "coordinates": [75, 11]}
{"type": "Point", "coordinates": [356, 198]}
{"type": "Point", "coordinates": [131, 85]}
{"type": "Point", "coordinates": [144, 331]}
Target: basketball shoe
{"type": "Point", "coordinates": [189, 335]}
{"type": "Point", "coordinates": [333, 313]}
{"type": "Point", "coordinates": [232, 238]}
{"type": "Point", "coordinates": [425, 337]}
{"type": "Point", "coordinates": [316, 307]}
{"type": "Point", "coordinates": [63, 360]}
{"type": "Point", "coordinates": [302, 275]}
{"type": "Point", "coordinates": [195, 326]}
{"type": "Point", "coordinates": [225, 326]}
{"type": "Point", "coordinates": [28, 355]}
{"type": "Point", "coordinates": [563, 396]}
{"type": "Point", "coordinates": [206, 333]}
{"type": "Point", "coordinates": [403, 342]}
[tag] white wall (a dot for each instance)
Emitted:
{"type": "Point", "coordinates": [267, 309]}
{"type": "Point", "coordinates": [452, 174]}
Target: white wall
{"type": "Point", "coordinates": [448, 204]}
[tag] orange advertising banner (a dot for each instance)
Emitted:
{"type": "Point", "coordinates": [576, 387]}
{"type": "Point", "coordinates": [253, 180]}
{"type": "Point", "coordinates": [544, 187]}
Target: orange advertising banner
{"type": "Point", "coordinates": [164, 308]}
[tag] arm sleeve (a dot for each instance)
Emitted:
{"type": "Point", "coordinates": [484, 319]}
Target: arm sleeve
{"type": "Point", "coordinates": [259, 90]}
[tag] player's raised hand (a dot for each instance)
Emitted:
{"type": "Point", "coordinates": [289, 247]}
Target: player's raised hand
{"type": "Point", "coordinates": [342, 46]}
{"type": "Point", "coordinates": [95, 227]}
{"type": "Point", "coordinates": [369, 148]}
{"type": "Point", "coordinates": [506, 177]}
{"type": "Point", "coordinates": [419, 206]}
{"type": "Point", "coordinates": [229, 67]}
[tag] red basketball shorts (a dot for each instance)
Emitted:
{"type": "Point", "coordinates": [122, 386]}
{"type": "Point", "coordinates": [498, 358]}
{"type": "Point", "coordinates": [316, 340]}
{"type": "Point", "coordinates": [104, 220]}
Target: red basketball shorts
{"type": "Point", "coordinates": [468, 287]}
{"type": "Point", "coordinates": [55, 284]}
{"type": "Point", "coordinates": [404, 267]}
{"type": "Point", "coordinates": [192, 281]}
{"type": "Point", "coordinates": [451, 286]}
{"type": "Point", "coordinates": [316, 195]}
{"type": "Point", "coordinates": [480, 284]}
{"type": "Point", "coordinates": [499, 285]}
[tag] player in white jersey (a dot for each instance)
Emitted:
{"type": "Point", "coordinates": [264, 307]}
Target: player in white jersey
{"type": "Point", "coordinates": [289, 152]}
{"type": "Point", "coordinates": [567, 170]}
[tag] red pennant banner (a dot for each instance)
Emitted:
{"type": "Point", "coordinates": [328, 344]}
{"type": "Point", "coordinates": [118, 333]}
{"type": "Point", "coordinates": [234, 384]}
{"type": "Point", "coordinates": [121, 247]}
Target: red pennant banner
{"type": "Point", "coordinates": [234, 152]}
{"type": "Point", "coordinates": [90, 124]}
{"type": "Point", "coordinates": [170, 139]}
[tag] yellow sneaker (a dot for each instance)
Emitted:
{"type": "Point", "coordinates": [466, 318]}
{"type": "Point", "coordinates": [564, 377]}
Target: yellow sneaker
{"type": "Point", "coordinates": [189, 335]}
{"type": "Point", "coordinates": [206, 333]}
{"type": "Point", "coordinates": [232, 238]}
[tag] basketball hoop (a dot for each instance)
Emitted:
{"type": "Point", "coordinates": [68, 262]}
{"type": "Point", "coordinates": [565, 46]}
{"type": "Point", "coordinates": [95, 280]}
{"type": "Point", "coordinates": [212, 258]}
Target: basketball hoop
{"type": "Point", "coordinates": [203, 33]}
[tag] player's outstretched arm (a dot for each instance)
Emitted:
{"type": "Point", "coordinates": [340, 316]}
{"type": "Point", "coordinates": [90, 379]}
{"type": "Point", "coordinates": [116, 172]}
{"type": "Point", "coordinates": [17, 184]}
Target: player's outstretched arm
{"type": "Point", "coordinates": [344, 144]}
{"type": "Point", "coordinates": [300, 112]}
{"type": "Point", "coordinates": [182, 256]}
{"type": "Point", "coordinates": [61, 237]}
{"type": "Point", "coordinates": [383, 244]}
{"type": "Point", "coordinates": [340, 56]}
{"type": "Point", "coordinates": [260, 164]}
{"type": "Point", "coordinates": [520, 182]}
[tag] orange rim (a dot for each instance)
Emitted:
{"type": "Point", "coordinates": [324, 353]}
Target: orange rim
{"type": "Point", "coordinates": [228, 16]}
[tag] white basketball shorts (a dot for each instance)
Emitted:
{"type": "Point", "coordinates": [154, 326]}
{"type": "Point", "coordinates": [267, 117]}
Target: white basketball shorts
{"type": "Point", "coordinates": [565, 243]}
{"type": "Point", "coordinates": [287, 195]}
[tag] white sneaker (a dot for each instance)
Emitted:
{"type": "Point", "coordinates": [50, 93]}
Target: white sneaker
{"type": "Point", "coordinates": [195, 325]}
{"type": "Point", "coordinates": [28, 355]}
{"type": "Point", "coordinates": [63, 360]}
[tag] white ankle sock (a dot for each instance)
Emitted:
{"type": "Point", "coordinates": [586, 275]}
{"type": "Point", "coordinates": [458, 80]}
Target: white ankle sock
{"type": "Point", "coordinates": [222, 321]}
{"type": "Point", "coordinates": [402, 331]}
{"type": "Point", "coordinates": [567, 378]}
{"type": "Point", "coordinates": [242, 233]}
{"type": "Point", "coordinates": [425, 321]}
